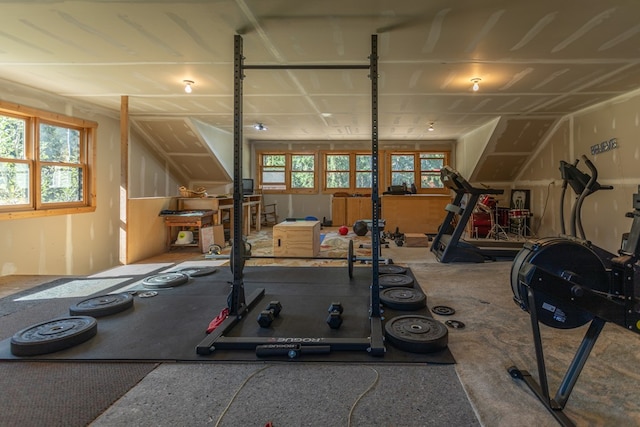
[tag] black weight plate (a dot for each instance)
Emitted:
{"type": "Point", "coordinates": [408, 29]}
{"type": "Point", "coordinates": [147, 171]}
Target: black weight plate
{"type": "Point", "coordinates": [416, 334]}
{"type": "Point", "coordinates": [103, 305]}
{"type": "Point", "coordinates": [197, 271]}
{"type": "Point", "coordinates": [165, 280]}
{"type": "Point", "coordinates": [350, 259]}
{"type": "Point", "coordinates": [391, 269]}
{"type": "Point", "coordinates": [53, 335]}
{"type": "Point", "coordinates": [443, 310]}
{"type": "Point", "coordinates": [403, 299]}
{"type": "Point", "coordinates": [395, 280]}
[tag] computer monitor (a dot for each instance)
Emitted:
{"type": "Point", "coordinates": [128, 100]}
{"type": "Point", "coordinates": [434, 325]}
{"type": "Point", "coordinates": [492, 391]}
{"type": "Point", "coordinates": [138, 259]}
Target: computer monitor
{"type": "Point", "coordinates": [247, 186]}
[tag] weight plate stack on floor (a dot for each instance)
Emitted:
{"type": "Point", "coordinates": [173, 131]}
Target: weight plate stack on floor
{"type": "Point", "coordinates": [53, 335]}
{"type": "Point", "coordinates": [103, 305]}
{"type": "Point", "coordinates": [166, 280]}
{"type": "Point", "coordinates": [197, 271]}
{"type": "Point", "coordinates": [395, 280]}
{"type": "Point", "coordinates": [403, 299]}
{"type": "Point", "coordinates": [391, 269]}
{"type": "Point", "coordinates": [416, 334]}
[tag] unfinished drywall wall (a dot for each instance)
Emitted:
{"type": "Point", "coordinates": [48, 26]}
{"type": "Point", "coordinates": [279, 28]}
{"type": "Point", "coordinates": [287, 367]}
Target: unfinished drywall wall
{"type": "Point", "coordinates": [578, 134]}
{"type": "Point", "coordinates": [470, 147]}
{"type": "Point", "coordinates": [75, 244]}
{"type": "Point", "coordinates": [149, 174]}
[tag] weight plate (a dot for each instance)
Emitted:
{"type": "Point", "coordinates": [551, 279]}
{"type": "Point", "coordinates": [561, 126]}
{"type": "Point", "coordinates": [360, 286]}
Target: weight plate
{"type": "Point", "coordinates": [395, 280]}
{"type": "Point", "coordinates": [245, 250]}
{"type": "Point", "coordinates": [443, 310]}
{"type": "Point", "coordinates": [416, 334]}
{"type": "Point", "coordinates": [350, 259]}
{"type": "Point", "coordinates": [197, 271]}
{"type": "Point", "coordinates": [391, 269]}
{"type": "Point", "coordinates": [404, 299]}
{"type": "Point", "coordinates": [215, 249]}
{"type": "Point", "coordinates": [455, 324]}
{"type": "Point", "coordinates": [103, 305]}
{"type": "Point", "coordinates": [147, 294]}
{"type": "Point", "coordinates": [54, 335]}
{"type": "Point", "coordinates": [165, 280]}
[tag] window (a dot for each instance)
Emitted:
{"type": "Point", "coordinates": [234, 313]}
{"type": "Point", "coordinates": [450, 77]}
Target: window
{"type": "Point", "coordinates": [337, 172]}
{"type": "Point", "coordinates": [363, 171]}
{"type": "Point", "coordinates": [273, 172]}
{"type": "Point", "coordinates": [430, 166]}
{"type": "Point", "coordinates": [419, 168]}
{"type": "Point", "coordinates": [45, 163]}
{"type": "Point", "coordinates": [403, 169]}
{"type": "Point", "coordinates": [348, 172]}
{"type": "Point", "coordinates": [287, 172]}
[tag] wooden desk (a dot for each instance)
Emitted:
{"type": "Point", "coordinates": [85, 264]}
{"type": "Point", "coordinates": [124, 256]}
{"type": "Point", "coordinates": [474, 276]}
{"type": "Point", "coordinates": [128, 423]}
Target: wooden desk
{"type": "Point", "coordinates": [223, 205]}
{"type": "Point", "coordinates": [248, 202]}
{"type": "Point", "coordinates": [197, 219]}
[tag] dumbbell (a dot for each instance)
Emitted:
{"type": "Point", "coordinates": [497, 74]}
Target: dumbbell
{"type": "Point", "coordinates": [266, 316]}
{"type": "Point", "coordinates": [334, 320]}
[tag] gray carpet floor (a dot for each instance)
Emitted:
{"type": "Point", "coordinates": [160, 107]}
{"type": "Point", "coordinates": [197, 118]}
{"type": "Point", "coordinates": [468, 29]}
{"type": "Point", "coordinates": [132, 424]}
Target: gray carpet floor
{"type": "Point", "coordinates": [289, 394]}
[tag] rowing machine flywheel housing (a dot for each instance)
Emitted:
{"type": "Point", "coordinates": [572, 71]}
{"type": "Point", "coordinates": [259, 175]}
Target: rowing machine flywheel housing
{"type": "Point", "coordinates": [558, 271]}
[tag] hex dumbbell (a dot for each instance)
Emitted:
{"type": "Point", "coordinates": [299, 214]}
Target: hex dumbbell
{"type": "Point", "coordinates": [334, 320]}
{"type": "Point", "coordinates": [266, 316]}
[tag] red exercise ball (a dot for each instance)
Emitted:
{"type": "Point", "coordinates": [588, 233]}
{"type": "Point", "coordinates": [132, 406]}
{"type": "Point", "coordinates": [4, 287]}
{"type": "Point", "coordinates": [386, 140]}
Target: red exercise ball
{"type": "Point", "coordinates": [343, 230]}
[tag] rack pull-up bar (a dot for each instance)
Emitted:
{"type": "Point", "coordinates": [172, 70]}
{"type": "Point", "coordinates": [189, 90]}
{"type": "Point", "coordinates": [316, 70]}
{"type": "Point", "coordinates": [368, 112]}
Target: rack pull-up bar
{"type": "Point", "coordinates": [308, 67]}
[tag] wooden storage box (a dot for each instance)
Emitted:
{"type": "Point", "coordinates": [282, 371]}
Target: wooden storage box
{"type": "Point", "coordinates": [296, 239]}
{"type": "Point", "coordinates": [416, 240]}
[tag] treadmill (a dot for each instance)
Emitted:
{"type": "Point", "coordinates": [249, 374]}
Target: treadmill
{"type": "Point", "coordinates": [448, 245]}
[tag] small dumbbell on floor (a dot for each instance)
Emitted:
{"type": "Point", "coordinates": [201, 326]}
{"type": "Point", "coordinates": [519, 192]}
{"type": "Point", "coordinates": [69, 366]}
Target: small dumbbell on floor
{"type": "Point", "coordinates": [334, 320]}
{"type": "Point", "coordinates": [266, 316]}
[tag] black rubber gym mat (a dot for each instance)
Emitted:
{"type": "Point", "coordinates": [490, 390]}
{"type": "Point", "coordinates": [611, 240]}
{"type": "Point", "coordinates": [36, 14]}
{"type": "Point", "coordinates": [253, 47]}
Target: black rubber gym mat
{"type": "Point", "coordinates": [169, 326]}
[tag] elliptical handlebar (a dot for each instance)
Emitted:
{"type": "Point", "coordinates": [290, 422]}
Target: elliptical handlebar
{"type": "Point", "coordinates": [593, 182]}
{"type": "Point", "coordinates": [583, 185]}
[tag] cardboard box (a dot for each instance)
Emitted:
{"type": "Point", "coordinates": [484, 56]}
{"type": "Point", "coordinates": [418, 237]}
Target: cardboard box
{"type": "Point", "coordinates": [416, 240]}
{"type": "Point", "coordinates": [212, 235]}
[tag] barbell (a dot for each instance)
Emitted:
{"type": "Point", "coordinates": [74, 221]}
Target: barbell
{"type": "Point", "coordinates": [351, 258]}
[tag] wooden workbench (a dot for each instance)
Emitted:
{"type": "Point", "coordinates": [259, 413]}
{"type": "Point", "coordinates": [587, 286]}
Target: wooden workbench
{"type": "Point", "coordinates": [223, 205]}
{"type": "Point", "coordinates": [188, 219]}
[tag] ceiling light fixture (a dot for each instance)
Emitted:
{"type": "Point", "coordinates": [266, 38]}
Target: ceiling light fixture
{"type": "Point", "coordinates": [431, 129]}
{"type": "Point", "coordinates": [476, 84]}
{"type": "Point", "coordinates": [187, 85]}
{"type": "Point", "coordinates": [260, 126]}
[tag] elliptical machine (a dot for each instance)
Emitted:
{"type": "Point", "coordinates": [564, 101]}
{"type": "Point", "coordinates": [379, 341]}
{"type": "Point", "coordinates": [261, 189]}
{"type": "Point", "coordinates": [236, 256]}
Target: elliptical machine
{"type": "Point", "coordinates": [566, 282]}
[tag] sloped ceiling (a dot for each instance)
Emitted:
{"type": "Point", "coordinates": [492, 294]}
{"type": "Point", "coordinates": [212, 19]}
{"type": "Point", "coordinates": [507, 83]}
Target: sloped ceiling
{"type": "Point", "coordinates": [537, 61]}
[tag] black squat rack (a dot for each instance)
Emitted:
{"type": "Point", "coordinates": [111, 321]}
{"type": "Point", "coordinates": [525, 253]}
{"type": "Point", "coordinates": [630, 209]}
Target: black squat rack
{"type": "Point", "coordinates": [238, 304]}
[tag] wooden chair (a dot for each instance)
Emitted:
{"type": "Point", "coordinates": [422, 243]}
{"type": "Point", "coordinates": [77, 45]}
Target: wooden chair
{"type": "Point", "coordinates": [268, 213]}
